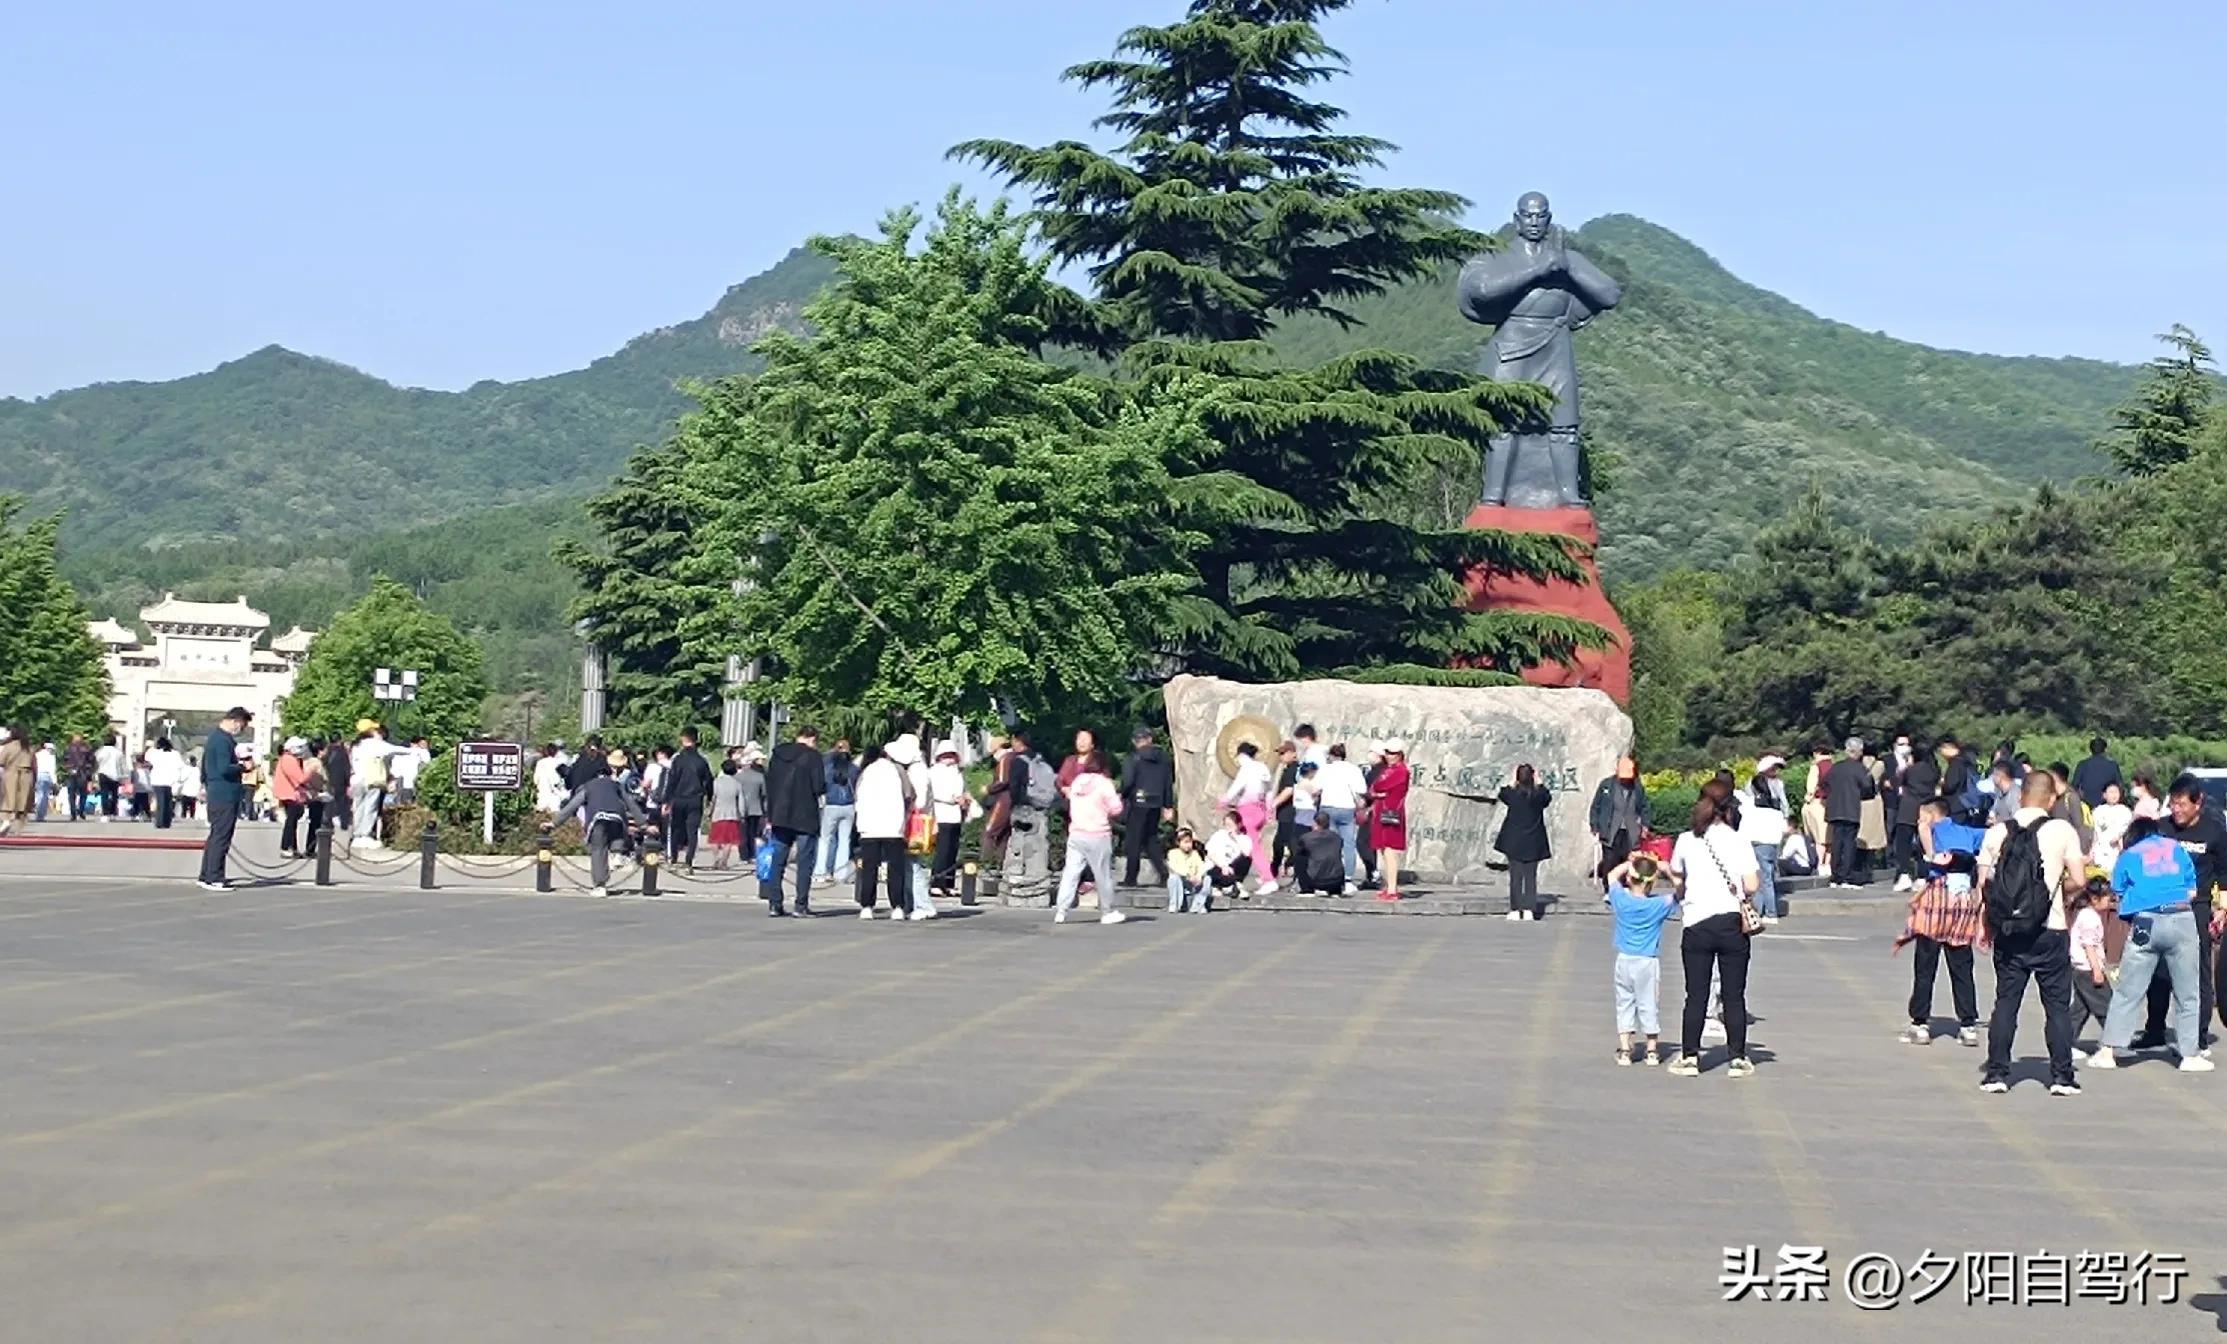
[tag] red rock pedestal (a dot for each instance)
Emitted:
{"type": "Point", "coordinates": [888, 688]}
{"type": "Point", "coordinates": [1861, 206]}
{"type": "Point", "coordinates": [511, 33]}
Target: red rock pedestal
{"type": "Point", "coordinates": [1608, 669]}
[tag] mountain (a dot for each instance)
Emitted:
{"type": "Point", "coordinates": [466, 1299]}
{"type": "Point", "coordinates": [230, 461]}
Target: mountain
{"type": "Point", "coordinates": [1717, 403]}
{"type": "Point", "coordinates": [1712, 403]}
{"type": "Point", "coordinates": [288, 441]}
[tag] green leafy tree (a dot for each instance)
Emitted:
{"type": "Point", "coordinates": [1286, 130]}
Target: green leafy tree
{"type": "Point", "coordinates": [635, 601]}
{"type": "Point", "coordinates": [1232, 204]}
{"type": "Point", "coordinates": [389, 628]}
{"type": "Point", "coordinates": [2170, 413]}
{"type": "Point", "coordinates": [924, 514]}
{"type": "Point", "coordinates": [51, 678]}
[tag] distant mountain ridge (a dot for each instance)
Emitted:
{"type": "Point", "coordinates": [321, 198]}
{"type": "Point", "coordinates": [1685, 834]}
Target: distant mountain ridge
{"type": "Point", "coordinates": [1717, 402]}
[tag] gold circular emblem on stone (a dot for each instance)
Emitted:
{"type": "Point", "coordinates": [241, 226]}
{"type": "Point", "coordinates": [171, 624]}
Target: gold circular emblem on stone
{"type": "Point", "coordinates": [1245, 728]}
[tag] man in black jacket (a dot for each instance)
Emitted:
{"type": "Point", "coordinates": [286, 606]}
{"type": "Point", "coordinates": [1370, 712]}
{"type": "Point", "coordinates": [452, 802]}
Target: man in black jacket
{"type": "Point", "coordinates": [591, 763]}
{"type": "Point", "coordinates": [1847, 785]}
{"type": "Point", "coordinates": [687, 785]}
{"type": "Point", "coordinates": [796, 780]}
{"type": "Point", "coordinates": [1148, 799]}
{"type": "Point", "coordinates": [2093, 775]}
{"type": "Point", "coordinates": [1920, 783]}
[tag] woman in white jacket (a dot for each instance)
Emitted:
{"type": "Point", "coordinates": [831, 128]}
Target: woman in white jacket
{"type": "Point", "coordinates": [885, 802]}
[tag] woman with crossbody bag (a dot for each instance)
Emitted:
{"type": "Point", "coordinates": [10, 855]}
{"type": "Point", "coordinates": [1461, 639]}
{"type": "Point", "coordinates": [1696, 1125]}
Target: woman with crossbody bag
{"type": "Point", "coordinates": [1388, 823]}
{"type": "Point", "coordinates": [1719, 875]}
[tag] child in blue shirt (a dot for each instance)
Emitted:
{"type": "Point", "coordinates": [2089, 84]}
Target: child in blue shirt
{"type": "Point", "coordinates": [1640, 914]}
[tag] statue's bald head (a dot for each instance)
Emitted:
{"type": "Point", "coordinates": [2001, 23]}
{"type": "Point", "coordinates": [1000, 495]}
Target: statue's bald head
{"type": "Point", "coordinates": [1533, 217]}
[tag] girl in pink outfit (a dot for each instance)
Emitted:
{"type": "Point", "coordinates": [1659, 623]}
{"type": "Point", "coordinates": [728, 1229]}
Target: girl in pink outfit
{"type": "Point", "coordinates": [1247, 796]}
{"type": "Point", "coordinates": [1092, 803]}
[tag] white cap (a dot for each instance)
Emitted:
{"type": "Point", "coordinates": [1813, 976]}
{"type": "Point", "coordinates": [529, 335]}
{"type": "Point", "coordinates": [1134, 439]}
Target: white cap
{"type": "Point", "coordinates": [1396, 747]}
{"type": "Point", "coordinates": [1769, 763]}
{"type": "Point", "coordinates": [945, 748]}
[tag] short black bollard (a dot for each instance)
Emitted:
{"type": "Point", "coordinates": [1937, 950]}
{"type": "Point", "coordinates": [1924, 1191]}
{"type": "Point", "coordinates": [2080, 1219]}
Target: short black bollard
{"type": "Point", "coordinates": [428, 844]}
{"type": "Point", "coordinates": [969, 878]}
{"type": "Point", "coordinates": [544, 859]}
{"type": "Point", "coordinates": [650, 859]}
{"type": "Point", "coordinates": [324, 842]}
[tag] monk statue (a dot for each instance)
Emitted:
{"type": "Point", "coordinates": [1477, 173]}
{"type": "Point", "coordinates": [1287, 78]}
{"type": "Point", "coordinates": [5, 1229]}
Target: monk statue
{"type": "Point", "coordinates": [1536, 291]}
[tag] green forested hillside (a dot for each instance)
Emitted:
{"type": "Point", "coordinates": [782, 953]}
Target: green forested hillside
{"type": "Point", "coordinates": [279, 439]}
{"type": "Point", "coordinates": [294, 479]}
{"type": "Point", "coordinates": [1718, 403]}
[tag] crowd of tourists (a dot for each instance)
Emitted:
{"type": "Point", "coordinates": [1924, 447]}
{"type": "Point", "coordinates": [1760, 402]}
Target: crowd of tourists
{"type": "Point", "coordinates": [2097, 890]}
{"type": "Point", "coordinates": [888, 821]}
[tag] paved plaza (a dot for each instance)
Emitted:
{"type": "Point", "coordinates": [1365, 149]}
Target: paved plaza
{"type": "Point", "coordinates": [293, 1114]}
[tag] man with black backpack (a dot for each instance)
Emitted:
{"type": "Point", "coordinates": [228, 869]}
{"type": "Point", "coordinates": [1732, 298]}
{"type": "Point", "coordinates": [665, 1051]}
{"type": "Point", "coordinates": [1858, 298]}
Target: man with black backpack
{"type": "Point", "coordinates": [1026, 875]}
{"type": "Point", "coordinates": [2028, 866]}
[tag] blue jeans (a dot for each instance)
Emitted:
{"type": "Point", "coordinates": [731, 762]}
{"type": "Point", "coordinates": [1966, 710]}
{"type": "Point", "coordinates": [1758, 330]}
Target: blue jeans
{"type": "Point", "coordinates": [1186, 896]}
{"type": "Point", "coordinates": [2174, 940]}
{"type": "Point", "coordinates": [1342, 821]}
{"type": "Point", "coordinates": [838, 823]}
{"type": "Point", "coordinates": [43, 792]}
{"type": "Point", "coordinates": [1639, 983]}
{"type": "Point", "coordinates": [1767, 890]}
{"type": "Point", "coordinates": [785, 842]}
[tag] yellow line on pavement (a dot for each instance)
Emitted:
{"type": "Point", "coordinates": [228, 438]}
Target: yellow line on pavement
{"type": "Point", "coordinates": [278, 1086]}
{"type": "Point", "coordinates": [1098, 1307]}
{"type": "Point", "coordinates": [1519, 1130]}
{"type": "Point", "coordinates": [463, 1221]}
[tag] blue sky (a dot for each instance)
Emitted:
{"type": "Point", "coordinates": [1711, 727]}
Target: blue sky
{"type": "Point", "coordinates": [439, 193]}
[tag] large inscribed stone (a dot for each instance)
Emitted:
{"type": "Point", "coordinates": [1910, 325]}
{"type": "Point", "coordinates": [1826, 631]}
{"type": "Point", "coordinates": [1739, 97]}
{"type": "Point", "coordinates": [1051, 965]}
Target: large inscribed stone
{"type": "Point", "coordinates": [1463, 745]}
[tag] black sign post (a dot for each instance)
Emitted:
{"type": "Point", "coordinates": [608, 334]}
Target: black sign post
{"type": "Point", "coordinates": [489, 768]}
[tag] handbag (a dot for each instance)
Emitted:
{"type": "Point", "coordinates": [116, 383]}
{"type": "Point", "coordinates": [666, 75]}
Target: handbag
{"type": "Point", "coordinates": [1751, 919]}
{"type": "Point", "coordinates": [769, 859]}
{"type": "Point", "coordinates": [920, 833]}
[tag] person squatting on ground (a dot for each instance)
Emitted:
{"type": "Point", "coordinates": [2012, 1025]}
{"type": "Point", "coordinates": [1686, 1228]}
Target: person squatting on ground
{"type": "Point", "coordinates": [605, 811]}
{"type": "Point", "coordinates": [1640, 913]}
{"type": "Point", "coordinates": [1945, 922]}
{"type": "Point", "coordinates": [1093, 801]}
{"type": "Point", "coordinates": [1229, 857]}
{"type": "Point", "coordinates": [1188, 891]}
{"type": "Point", "coordinates": [1716, 871]}
{"type": "Point", "coordinates": [1320, 860]}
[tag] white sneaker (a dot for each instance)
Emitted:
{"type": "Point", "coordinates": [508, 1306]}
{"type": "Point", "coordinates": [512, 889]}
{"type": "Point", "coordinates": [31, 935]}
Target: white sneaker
{"type": "Point", "coordinates": [1968, 1036]}
{"type": "Point", "coordinates": [599, 891]}
{"type": "Point", "coordinates": [1530, 915]}
{"type": "Point", "coordinates": [1914, 1034]}
{"type": "Point", "coordinates": [1264, 889]}
{"type": "Point", "coordinates": [205, 886]}
{"type": "Point", "coordinates": [1352, 890]}
{"type": "Point", "coordinates": [1059, 917]}
{"type": "Point", "coordinates": [1770, 921]}
{"type": "Point", "coordinates": [2064, 1089]}
{"type": "Point", "coordinates": [2197, 1065]}
{"type": "Point", "coordinates": [1997, 1085]}
{"type": "Point", "coordinates": [1515, 916]}
{"type": "Point", "coordinates": [1903, 883]}
{"type": "Point", "coordinates": [2104, 1058]}
{"type": "Point", "coordinates": [865, 913]}
{"type": "Point", "coordinates": [1113, 917]}
{"type": "Point", "coordinates": [923, 913]}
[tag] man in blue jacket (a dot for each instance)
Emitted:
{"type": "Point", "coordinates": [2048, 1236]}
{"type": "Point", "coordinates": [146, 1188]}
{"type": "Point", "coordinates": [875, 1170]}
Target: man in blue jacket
{"type": "Point", "coordinates": [222, 795]}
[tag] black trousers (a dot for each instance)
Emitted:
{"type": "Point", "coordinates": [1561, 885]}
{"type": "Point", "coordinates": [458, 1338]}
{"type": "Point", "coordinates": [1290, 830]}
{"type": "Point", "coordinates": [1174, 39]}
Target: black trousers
{"type": "Point", "coordinates": [2046, 959]}
{"type": "Point", "coordinates": [1523, 884]}
{"type": "Point", "coordinates": [108, 796]}
{"type": "Point", "coordinates": [1227, 882]}
{"type": "Point", "coordinates": [943, 871]}
{"type": "Point", "coordinates": [876, 857]}
{"type": "Point", "coordinates": [316, 819]}
{"type": "Point", "coordinates": [2208, 984]}
{"type": "Point", "coordinates": [223, 818]}
{"type": "Point", "coordinates": [687, 819]}
{"type": "Point", "coordinates": [1141, 838]}
{"type": "Point", "coordinates": [1840, 839]}
{"type": "Point", "coordinates": [1283, 852]}
{"type": "Point", "coordinates": [163, 807]}
{"type": "Point", "coordinates": [1716, 943]}
{"type": "Point", "coordinates": [1925, 969]}
{"type": "Point", "coordinates": [290, 834]}
{"type": "Point", "coordinates": [1614, 850]}
{"type": "Point", "coordinates": [2090, 1001]}
{"type": "Point", "coordinates": [1902, 850]}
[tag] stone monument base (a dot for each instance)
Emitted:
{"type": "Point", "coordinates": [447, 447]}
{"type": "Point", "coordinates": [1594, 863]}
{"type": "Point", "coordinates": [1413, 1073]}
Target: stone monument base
{"type": "Point", "coordinates": [1463, 744]}
{"type": "Point", "coordinates": [1608, 669]}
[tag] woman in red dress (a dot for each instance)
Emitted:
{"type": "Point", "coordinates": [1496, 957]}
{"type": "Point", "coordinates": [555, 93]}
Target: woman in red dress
{"type": "Point", "coordinates": [1388, 825]}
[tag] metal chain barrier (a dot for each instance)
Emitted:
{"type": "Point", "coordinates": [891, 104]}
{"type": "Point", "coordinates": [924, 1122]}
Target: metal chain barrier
{"type": "Point", "coordinates": [349, 860]}
{"type": "Point", "coordinates": [484, 867]}
{"type": "Point", "coordinates": [285, 868]}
